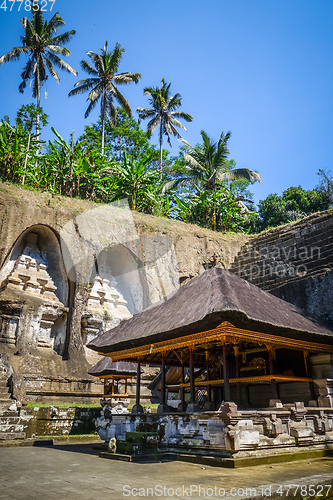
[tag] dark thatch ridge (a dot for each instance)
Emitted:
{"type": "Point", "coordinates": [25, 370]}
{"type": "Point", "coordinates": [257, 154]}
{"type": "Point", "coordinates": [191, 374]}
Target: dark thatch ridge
{"type": "Point", "coordinates": [105, 366]}
{"type": "Point", "coordinates": [205, 302]}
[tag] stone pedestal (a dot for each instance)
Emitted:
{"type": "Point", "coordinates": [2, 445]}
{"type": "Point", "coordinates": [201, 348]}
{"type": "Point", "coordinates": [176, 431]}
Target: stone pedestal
{"type": "Point", "coordinates": [322, 366]}
{"type": "Point", "coordinates": [137, 409]}
{"type": "Point", "coordinates": [228, 409]}
{"type": "Point", "coordinates": [192, 408]}
{"type": "Point", "coordinates": [325, 392]}
{"type": "Point", "coordinates": [164, 408]}
{"type": "Point", "coordinates": [209, 406]}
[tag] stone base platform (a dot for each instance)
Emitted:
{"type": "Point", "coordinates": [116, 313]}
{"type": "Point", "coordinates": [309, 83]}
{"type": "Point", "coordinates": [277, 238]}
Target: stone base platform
{"type": "Point", "coordinates": [232, 462]}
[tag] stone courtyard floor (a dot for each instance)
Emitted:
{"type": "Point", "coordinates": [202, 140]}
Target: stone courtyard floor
{"type": "Point", "coordinates": [75, 472]}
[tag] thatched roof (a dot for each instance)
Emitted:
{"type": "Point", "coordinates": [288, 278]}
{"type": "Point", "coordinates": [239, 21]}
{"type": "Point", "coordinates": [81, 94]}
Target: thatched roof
{"type": "Point", "coordinates": [205, 302]}
{"type": "Point", "coordinates": [105, 366]}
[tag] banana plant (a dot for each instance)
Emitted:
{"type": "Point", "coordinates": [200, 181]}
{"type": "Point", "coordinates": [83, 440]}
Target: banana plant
{"type": "Point", "coordinates": [135, 180]}
{"type": "Point", "coordinates": [15, 146]}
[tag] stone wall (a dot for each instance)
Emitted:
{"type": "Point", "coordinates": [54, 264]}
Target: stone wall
{"type": "Point", "coordinates": [228, 433]}
{"type": "Point", "coordinates": [295, 263]}
{"type": "Point", "coordinates": [57, 421]}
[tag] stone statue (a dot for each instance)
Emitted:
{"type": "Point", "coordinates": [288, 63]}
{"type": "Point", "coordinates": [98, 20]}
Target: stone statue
{"type": "Point", "coordinates": [112, 447]}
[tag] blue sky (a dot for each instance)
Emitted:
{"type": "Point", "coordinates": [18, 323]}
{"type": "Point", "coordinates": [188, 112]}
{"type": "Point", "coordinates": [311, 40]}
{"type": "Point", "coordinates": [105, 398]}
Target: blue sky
{"type": "Point", "coordinates": [260, 68]}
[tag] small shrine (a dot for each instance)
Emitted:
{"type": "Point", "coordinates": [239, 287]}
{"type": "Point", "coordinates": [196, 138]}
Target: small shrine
{"type": "Point", "coordinates": [115, 377]}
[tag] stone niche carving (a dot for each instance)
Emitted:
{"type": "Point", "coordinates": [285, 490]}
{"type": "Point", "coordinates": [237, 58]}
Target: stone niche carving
{"type": "Point", "coordinates": [29, 290]}
{"type": "Point", "coordinates": [105, 309]}
{"type": "Point", "coordinates": [8, 329]}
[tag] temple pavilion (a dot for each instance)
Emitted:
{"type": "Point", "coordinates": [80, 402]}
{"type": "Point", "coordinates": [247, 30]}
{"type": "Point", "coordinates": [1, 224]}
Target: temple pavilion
{"type": "Point", "coordinates": [115, 375]}
{"type": "Point", "coordinates": [235, 341]}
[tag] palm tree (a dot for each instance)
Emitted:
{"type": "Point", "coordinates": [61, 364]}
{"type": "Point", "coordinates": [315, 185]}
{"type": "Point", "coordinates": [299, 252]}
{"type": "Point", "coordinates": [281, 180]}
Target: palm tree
{"type": "Point", "coordinates": [163, 113]}
{"type": "Point", "coordinates": [207, 164]}
{"type": "Point", "coordinates": [102, 86]}
{"type": "Point", "coordinates": [42, 45]}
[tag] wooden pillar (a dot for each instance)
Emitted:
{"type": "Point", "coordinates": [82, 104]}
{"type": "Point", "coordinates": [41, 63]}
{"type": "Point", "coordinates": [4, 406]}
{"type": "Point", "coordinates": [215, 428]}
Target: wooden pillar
{"type": "Point", "coordinates": [271, 358]}
{"type": "Point", "coordinates": [138, 381]}
{"type": "Point", "coordinates": [182, 389]}
{"type": "Point", "coordinates": [208, 377]}
{"type": "Point", "coordinates": [126, 385]}
{"type": "Point", "coordinates": [192, 384]}
{"type": "Point", "coordinates": [308, 372]}
{"type": "Point", "coordinates": [163, 391]}
{"type": "Point", "coordinates": [221, 388]}
{"type": "Point", "coordinates": [192, 407]}
{"type": "Point", "coordinates": [137, 408]}
{"type": "Point", "coordinates": [236, 351]}
{"type": "Point", "coordinates": [209, 405]}
{"type": "Point", "coordinates": [226, 373]}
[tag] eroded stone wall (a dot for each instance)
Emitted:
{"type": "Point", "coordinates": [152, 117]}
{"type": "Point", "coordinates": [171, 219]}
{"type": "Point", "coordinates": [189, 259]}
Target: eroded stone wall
{"type": "Point", "coordinates": [295, 263]}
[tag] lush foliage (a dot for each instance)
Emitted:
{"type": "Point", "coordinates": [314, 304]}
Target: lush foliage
{"type": "Point", "coordinates": [295, 203]}
{"type": "Point", "coordinates": [206, 164]}
{"type": "Point", "coordinates": [114, 158]}
{"type": "Point", "coordinates": [18, 148]}
{"type": "Point", "coordinates": [126, 136]}
{"type": "Point", "coordinates": [217, 210]}
{"type": "Point", "coordinates": [326, 184]}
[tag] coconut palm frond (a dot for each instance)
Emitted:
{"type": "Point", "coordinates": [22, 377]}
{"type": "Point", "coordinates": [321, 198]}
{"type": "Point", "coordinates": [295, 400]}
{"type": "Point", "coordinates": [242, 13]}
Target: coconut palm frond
{"type": "Point", "coordinates": [61, 63]}
{"type": "Point", "coordinates": [240, 173]}
{"type": "Point", "coordinates": [41, 42]}
{"type": "Point", "coordinates": [51, 69]}
{"type": "Point", "coordinates": [56, 49]}
{"type": "Point", "coordinates": [14, 54]}
{"type": "Point", "coordinates": [83, 86]}
{"type": "Point", "coordinates": [64, 38]}
{"type": "Point", "coordinates": [91, 106]}
{"type": "Point", "coordinates": [88, 68]}
{"type": "Point", "coordinates": [180, 114]}
{"type": "Point", "coordinates": [126, 78]}
{"type": "Point", "coordinates": [177, 123]}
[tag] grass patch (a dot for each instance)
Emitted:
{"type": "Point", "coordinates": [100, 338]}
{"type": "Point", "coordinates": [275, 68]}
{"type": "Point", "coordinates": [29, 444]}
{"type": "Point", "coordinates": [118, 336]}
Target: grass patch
{"type": "Point", "coordinates": [52, 436]}
{"type": "Point", "coordinates": [30, 404]}
{"type": "Point", "coordinates": [153, 406]}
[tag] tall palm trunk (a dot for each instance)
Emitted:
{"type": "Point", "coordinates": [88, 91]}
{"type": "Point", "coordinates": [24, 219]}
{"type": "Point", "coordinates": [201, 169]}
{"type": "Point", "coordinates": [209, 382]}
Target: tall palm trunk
{"type": "Point", "coordinates": [103, 118]}
{"type": "Point", "coordinates": [161, 143]}
{"type": "Point", "coordinates": [38, 97]}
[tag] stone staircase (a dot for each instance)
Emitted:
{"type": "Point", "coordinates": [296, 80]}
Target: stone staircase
{"type": "Point", "coordinates": [11, 428]}
{"type": "Point", "coordinates": [144, 441]}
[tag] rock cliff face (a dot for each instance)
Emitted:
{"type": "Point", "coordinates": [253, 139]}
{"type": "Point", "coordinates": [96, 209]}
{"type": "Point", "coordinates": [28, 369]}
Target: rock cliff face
{"type": "Point", "coordinates": [295, 263]}
{"type": "Point", "coordinates": [71, 269]}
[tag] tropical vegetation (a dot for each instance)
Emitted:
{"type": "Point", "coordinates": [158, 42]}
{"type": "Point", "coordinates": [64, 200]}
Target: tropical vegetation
{"type": "Point", "coordinates": [295, 203]}
{"type": "Point", "coordinates": [114, 158]}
